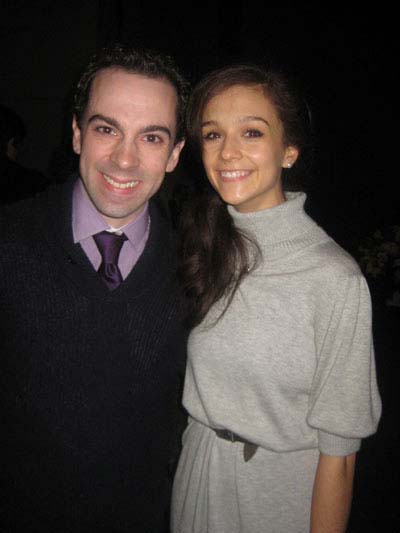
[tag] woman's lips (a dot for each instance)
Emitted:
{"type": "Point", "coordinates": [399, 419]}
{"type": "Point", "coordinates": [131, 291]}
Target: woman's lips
{"type": "Point", "coordinates": [234, 175]}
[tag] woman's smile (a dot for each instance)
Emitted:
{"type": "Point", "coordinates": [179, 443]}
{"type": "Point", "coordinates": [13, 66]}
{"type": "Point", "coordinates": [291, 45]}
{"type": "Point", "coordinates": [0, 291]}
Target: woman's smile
{"type": "Point", "coordinates": [234, 175]}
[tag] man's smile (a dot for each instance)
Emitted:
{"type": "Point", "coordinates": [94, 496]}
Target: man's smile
{"type": "Point", "coordinates": [119, 184]}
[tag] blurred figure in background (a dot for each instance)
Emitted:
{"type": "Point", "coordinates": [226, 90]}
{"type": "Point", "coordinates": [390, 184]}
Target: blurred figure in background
{"type": "Point", "coordinates": [17, 182]}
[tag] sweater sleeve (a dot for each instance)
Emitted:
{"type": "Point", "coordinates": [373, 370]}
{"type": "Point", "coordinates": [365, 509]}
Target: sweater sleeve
{"type": "Point", "coordinates": [345, 404]}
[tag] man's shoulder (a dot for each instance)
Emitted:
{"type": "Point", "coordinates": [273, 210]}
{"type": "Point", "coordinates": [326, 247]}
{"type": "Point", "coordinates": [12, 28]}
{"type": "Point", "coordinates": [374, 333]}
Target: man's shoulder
{"type": "Point", "coordinates": [16, 215]}
{"type": "Point", "coordinates": [161, 222]}
{"type": "Point", "coordinates": [159, 257]}
{"type": "Point", "coordinates": [24, 217]}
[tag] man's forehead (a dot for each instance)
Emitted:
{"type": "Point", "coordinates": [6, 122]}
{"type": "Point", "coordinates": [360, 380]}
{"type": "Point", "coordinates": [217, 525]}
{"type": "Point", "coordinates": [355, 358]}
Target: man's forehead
{"type": "Point", "coordinates": [118, 89]}
{"type": "Point", "coordinates": [133, 81]}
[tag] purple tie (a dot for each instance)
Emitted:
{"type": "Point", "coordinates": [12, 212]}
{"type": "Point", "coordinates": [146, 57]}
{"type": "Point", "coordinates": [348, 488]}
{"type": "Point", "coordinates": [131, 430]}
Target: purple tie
{"type": "Point", "coordinates": [109, 245]}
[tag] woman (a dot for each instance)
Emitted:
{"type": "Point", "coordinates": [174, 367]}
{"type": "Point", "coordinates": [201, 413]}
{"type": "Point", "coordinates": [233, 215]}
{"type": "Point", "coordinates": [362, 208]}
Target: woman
{"type": "Point", "coordinates": [280, 384]}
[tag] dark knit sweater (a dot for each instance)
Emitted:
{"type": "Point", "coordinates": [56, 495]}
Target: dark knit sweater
{"type": "Point", "coordinates": [90, 380]}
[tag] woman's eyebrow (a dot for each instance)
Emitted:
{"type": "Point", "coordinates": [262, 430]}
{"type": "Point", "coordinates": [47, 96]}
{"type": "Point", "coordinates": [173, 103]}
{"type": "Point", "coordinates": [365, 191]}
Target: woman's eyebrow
{"type": "Point", "coordinates": [247, 118]}
{"type": "Point", "coordinates": [209, 123]}
{"type": "Point", "coordinates": [250, 118]}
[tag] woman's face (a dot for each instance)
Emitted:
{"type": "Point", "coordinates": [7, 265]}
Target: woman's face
{"type": "Point", "coordinates": [243, 149]}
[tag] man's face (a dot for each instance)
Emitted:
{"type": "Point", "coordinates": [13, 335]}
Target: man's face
{"type": "Point", "coordinates": [126, 142]}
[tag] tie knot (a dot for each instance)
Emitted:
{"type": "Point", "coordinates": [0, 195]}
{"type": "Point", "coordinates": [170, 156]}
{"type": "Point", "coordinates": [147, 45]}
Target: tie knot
{"type": "Point", "coordinates": [109, 245]}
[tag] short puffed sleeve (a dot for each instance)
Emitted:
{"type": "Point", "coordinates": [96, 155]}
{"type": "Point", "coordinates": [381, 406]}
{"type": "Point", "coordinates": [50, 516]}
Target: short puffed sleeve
{"type": "Point", "coordinates": [345, 405]}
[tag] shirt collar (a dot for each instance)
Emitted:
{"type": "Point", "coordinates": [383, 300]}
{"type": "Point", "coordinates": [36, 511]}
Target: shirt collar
{"type": "Point", "coordinates": [87, 221]}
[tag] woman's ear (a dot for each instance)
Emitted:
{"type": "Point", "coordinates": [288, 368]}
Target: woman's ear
{"type": "Point", "coordinates": [290, 157]}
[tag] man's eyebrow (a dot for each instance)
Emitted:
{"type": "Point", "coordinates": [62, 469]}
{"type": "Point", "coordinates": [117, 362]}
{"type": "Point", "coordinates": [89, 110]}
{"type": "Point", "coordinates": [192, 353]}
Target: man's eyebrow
{"type": "Point", "coordinates": [104, 118]}
{"type": "Point", "coordinates": [147, 129]}
{"type": "Point", "coordinates": [156, 127]}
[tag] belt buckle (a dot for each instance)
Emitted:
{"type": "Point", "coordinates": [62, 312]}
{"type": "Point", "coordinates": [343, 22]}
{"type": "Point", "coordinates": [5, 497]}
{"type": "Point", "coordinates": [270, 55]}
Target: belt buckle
{"type": "Point", "coordinates": [249, 449]}
{"type": "Point", "coordinates": [231, 436]}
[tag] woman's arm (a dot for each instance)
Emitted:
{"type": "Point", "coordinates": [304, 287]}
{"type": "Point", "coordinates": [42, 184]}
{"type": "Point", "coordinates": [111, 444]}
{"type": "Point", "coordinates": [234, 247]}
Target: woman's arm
{"type": "Point", "coordinates": [332, 494]}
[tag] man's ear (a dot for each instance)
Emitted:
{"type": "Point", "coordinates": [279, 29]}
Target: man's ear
{"type": "Point", "coordinates": [76, 136]}
{"type": "Point", "coordinates": [174, 156]}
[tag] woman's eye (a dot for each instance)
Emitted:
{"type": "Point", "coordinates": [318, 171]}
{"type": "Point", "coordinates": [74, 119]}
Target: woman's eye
{"type": "Point", "coordinates": [210, 136]}
{"type": "Point", "coordinates": [253, 133]}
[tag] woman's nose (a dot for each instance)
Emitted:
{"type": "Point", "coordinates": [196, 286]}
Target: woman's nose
{"type": "Point", "coordinates": [231, 149]}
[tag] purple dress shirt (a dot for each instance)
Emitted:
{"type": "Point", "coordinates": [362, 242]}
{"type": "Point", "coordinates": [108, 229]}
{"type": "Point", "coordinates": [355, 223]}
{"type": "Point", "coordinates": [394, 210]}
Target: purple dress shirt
{"type": "Point", "coordinates": [87, 221]}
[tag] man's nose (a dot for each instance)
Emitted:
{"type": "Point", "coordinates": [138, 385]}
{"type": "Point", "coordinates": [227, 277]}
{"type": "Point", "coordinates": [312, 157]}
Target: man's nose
{"type": "Point", "coordinates": [231, 148]}
{"type": "Point", "coordinates": [125, 154]}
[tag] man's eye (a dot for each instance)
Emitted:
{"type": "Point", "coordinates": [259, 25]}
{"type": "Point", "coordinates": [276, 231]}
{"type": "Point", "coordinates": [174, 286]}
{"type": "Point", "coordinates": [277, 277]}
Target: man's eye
{"type": "Point", "coordinates": [210, 136]}
{"type": "Point", "coordinates": [105, 129]}
{"type": "Point", "coordinates": [153, 138]}
{"type": "Point", "coordinates": [253, 133]}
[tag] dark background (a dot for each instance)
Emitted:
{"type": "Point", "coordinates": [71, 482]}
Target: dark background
{"type": "Point", "coordinates": [342, 57]}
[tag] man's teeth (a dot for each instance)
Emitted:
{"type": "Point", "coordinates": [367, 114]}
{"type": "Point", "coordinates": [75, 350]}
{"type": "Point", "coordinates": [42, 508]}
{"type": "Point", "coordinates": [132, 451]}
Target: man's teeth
{"type": "Point", "coordinates": [234, 174]}
{"type": "Point", "coordinates": [126, 185]}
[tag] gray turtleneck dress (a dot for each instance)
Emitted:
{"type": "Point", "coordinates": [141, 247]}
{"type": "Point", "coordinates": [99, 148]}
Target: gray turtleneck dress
{"type": "Point", "coordinates": [288, 367]}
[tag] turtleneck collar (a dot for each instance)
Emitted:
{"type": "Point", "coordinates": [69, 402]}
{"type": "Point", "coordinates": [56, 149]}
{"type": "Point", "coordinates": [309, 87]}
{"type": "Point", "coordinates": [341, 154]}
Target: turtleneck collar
{"type": "Point", "coordinates": [281, 229]}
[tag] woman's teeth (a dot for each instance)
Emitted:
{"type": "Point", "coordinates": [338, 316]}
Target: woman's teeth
{"type": "Point", "coordinates": [234, 174]}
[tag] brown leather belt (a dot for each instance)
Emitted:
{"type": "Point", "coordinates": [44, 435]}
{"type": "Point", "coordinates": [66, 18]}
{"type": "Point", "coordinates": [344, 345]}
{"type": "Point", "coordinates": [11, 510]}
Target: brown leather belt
{"type": "Point", "coordinates": [249, 449]}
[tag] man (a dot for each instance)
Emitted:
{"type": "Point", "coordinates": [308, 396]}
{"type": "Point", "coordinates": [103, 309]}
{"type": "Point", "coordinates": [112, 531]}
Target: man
{"type": "Point", "coordinates": [92, 346]}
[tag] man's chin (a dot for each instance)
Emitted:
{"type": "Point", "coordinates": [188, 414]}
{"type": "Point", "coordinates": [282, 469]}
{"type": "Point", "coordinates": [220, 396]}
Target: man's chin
{"type": "Point", "coordinates": [118, 218]}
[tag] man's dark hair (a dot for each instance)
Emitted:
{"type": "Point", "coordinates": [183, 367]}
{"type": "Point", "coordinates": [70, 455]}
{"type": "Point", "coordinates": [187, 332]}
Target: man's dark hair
{"type": "Point", "coordinates": [144, 62]}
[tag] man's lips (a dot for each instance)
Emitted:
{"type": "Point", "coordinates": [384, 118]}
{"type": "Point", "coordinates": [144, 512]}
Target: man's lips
{"type": "Point", "coordinates": [120, 184]}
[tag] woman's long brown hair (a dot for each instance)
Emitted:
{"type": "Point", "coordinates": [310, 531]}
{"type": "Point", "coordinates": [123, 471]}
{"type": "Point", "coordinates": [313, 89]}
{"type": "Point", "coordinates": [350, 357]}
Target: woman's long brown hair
{"type": "Point", "coordinates": [214, 255]}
